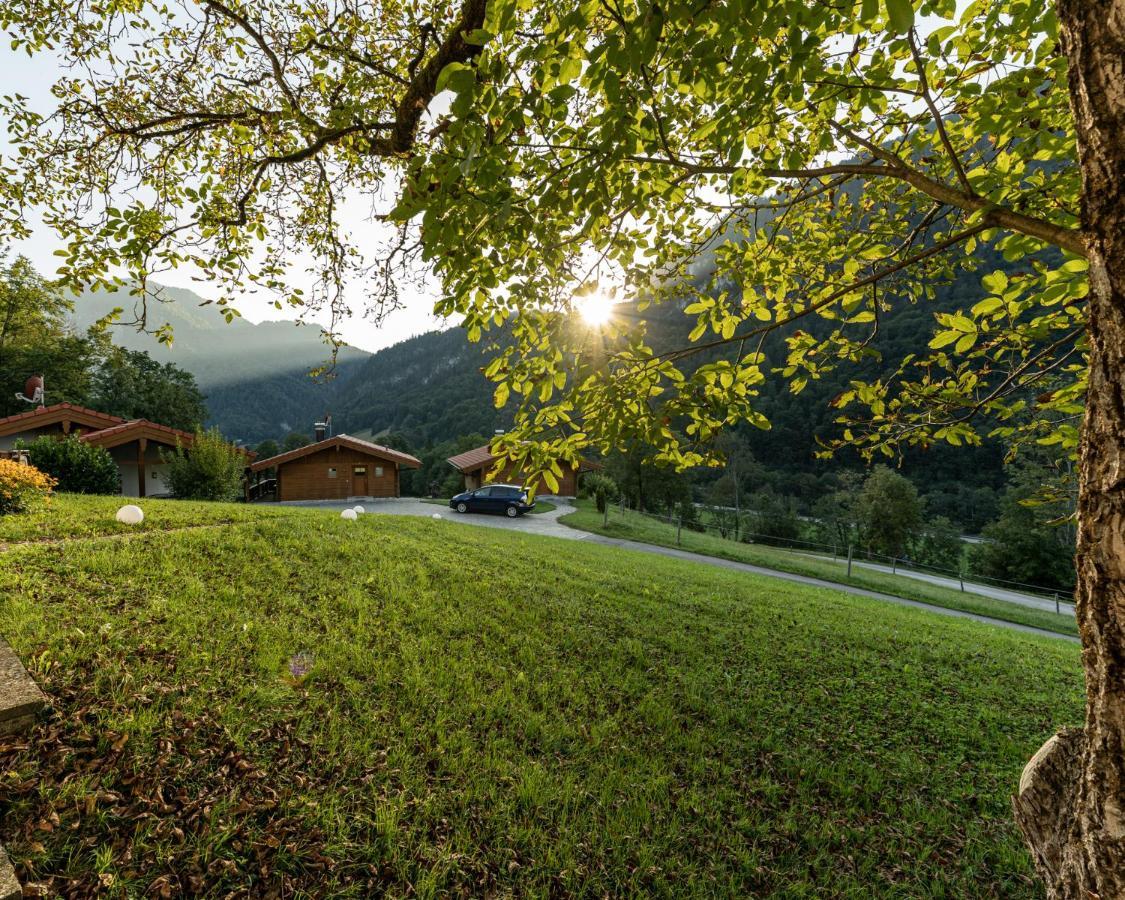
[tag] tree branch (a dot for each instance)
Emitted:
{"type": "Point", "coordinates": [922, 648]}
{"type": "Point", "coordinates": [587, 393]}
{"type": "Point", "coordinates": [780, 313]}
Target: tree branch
{"type": "Point", "coordinates": [839, 293]}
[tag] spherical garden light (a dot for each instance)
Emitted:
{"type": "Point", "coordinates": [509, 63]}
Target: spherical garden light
{"type": "Point", "coordinates": [130, 514]}
{"type": "Point", "coordinates": [359, 509]}
{"type": "Point", "coordinates": [349, 514]}
{"type": "Point", "coordinates": [437, 515]}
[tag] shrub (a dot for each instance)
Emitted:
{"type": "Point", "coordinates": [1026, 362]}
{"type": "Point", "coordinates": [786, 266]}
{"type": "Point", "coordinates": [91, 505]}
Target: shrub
{"type": "Point", "coordinates": [210, 470]}
{"type": "Point", "coordinates": [602, 488]}
{"type": "Point", "coordinates": [688, 513]}
{"type": "Point", "coordinates": [1019, 547]}
{"type": "Point", "coordinates": [939, 545]}
{"type": "Point", "coordinates": [774, 520]}
{"type": "Point", "coordinates": [78, 467]}
{"type": "Point", "coordinates": [22, 487]}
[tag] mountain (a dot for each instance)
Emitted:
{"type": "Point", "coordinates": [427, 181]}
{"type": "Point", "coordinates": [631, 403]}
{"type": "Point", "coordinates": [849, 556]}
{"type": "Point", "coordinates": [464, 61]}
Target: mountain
{"type": "Point", "coordinates": [427, 389]}
{"type": "Point", "coordinates": [255, 377]}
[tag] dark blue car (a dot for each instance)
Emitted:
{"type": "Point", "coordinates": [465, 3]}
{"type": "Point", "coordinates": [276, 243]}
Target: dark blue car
{"type": "Point", "coordinates": [495, 498]}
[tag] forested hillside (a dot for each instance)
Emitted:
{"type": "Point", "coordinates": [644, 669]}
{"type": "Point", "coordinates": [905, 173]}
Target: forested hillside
{"type": "Point", "coordinates": [255, 377]}
{"type": "Point", "coordinates": [429, 389]}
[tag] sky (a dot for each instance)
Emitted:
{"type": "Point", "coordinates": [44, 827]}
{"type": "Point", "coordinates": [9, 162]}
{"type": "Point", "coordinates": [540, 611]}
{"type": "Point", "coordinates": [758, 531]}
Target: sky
{"type": "Point", "coordinates": [33, 78]}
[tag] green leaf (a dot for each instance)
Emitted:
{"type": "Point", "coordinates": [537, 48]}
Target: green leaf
{"type": "Point", "coordinates": [944, 338]}
{"type": "Point", "coordinates": [901, 15]}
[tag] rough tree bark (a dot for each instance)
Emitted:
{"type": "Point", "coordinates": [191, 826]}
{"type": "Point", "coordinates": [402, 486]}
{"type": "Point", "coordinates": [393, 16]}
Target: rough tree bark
{"type": "Point", "coordinates": [1071, 804]}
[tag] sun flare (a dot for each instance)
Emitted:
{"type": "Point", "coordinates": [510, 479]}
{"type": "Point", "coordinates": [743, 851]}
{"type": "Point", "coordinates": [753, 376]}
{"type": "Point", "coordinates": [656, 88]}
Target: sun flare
{"type": "Point", "coordinates": [595, 308]}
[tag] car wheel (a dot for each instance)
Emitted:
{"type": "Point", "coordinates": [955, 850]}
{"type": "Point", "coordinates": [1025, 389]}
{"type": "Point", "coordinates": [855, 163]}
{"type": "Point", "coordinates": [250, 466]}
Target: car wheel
{"type": "Point", "coordinates": [462, 507]}
{"type": "Point", "coordinates": [512, 512]}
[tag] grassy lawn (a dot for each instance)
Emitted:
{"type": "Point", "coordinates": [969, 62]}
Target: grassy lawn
{"type": "Point", "coordinates": [79, 516]}
{"type": "Point", "coordinates": [491, 713]}
{"type": "Point", "coordinates": [541, 506]}
{"type": "Point", "coordinates": [635, 527]}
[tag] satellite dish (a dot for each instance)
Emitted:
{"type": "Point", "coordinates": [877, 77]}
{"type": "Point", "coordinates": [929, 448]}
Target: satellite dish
{"type": "Point", "coordinates": [33, 390]}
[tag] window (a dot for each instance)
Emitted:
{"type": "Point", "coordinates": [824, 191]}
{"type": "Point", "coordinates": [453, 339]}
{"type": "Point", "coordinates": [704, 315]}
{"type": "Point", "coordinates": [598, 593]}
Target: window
{"type": "Point", "coordinates": [483, 492]}
{"type": "Point", "coordinates": [360, 470]}
{"type": "Point", "coordinates": [332, 472]}
{"type": "Point", "coordinates": [378, 471]}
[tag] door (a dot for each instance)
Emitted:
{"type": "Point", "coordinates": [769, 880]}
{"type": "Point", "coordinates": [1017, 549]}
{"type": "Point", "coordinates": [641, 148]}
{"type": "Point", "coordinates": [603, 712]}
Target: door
{"type": "Point", "coordinates": [359, 481]}
{"type": "Point", "coordinates": [481, 500]}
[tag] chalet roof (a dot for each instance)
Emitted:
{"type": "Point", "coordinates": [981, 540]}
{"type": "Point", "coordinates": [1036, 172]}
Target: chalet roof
{"type": "Point", "coordinates": [143, 428]}
{"type": "Point", "coordinates": [479, 457]}
{"type": "Point", "coordinates": [471, 460]}
{"type": "Point", "coordinates": [57, 412]}
{"type": "Point", "coordinates": [340, 440]}
{"type": "Point", "coordinates": [137, 428]}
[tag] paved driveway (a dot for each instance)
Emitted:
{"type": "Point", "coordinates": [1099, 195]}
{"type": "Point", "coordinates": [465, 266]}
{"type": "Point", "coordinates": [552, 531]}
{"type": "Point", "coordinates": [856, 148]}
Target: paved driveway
{"type": "Point", "coordinates": [538, 523]}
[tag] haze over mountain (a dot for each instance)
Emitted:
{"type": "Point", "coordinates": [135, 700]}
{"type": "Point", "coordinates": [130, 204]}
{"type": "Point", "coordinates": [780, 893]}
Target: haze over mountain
{"type": "Point", "coordinates": [256, 376]}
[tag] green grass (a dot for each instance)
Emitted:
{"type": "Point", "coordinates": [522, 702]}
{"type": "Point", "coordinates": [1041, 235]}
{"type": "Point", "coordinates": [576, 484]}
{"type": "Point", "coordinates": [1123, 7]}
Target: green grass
{"type": "Point", "coordinates": [578, 720]}
{"type": "Point", "coordinates": [636, 527]}
{"type": "Point", "coordinates": [78, 516]}
{"type": "Point", "coordinates": [541, 506]}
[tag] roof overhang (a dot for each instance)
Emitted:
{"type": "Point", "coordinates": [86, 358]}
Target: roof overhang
{"type": "Point", "coordinates": [134, 431]}
{"type": "Point", "coordinates": [375, 451]}
{"type": "Point", "coordinates": [58, 413]}
{"type": "Point", "coordinates": [482, 457]}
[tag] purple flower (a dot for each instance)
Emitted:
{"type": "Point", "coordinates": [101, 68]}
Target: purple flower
{"type": "Point", "coordinates": [300, 664]}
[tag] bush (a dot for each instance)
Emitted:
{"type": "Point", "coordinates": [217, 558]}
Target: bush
{"type": "Point", "coordinates": [210, 470]}
{"type": "Point", "coordinates": [602, 488]}
{"type": "Point", "coordinates": [22, 487]}
{"type": "Point", "coordinates": [689, 516]}
{"type": "Point", "coordinates": [1018, 547]}
{"type": "Point", "coordinates": [774, 520]}
{"type": "Point", "coordinates": [939, 545]}
{"type": "Point", "coordinates": [77, 467]}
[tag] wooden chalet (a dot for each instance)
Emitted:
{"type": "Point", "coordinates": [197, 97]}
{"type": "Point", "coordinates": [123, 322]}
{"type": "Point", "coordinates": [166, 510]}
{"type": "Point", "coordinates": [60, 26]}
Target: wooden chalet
{"type": "Point", "coordinates": [135, 445]}
{"type": "Point", "coordinates": [58, 420]}
{"type": "Point", "coordinates": [338, 468]}
{"type": "Point", "coordinates": [478, 464]}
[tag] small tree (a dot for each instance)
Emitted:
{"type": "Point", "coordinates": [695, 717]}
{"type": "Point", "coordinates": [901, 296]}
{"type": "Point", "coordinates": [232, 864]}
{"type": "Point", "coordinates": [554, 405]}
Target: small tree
{"type": "Point", "coordinates": [267, 449]}
{"type": "Point", "coordinates": [1019, 546]}
{"type": "Point", "coordinates": [210, 470]}
{"type": "Point", "coordinates": [890, 511]}
{"type": "Point", "coordinates": [294, 441]}
{"type": "Point", "coordinates": [939, 545]}
{"type": "Point", "coordinates": [78, 467]}
{"type": "Point", "coordinates": [602, 488]}
{"type": "Point", "coordinates": [775, 519]}
{"type": "Point", "coordinates": [837, 514]}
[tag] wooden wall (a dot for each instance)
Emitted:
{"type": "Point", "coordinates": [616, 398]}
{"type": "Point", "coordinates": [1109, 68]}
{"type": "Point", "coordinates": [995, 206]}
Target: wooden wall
{"type": "Point", "coordinates": [568, 484]}
{"type": "Point", "coordinates": [309, 478]}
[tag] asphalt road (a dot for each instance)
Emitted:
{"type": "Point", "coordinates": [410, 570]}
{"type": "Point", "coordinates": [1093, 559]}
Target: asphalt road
{"type": "Point", "coordinates": [1031, 601]}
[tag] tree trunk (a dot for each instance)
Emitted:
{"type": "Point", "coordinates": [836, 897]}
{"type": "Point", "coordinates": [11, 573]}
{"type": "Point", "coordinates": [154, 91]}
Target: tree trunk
{"type": "Point", "coordinates": [1071, 804]}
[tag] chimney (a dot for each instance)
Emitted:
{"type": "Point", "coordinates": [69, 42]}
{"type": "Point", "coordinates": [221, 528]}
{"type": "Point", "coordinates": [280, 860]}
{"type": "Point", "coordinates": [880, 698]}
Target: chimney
{"type": "Point", "coordinates": [319, 430]}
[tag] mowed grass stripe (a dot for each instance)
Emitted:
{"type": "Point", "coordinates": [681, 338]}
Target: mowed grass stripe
{"type": "Point", "coordinates": [492, 712]}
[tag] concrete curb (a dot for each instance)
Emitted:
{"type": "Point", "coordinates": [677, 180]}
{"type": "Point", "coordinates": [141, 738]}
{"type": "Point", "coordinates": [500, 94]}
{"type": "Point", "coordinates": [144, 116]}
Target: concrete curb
{"type": "Point", "coordinates": [20, 702]}
{"type": "Point", "coordinates": [9, 885]}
